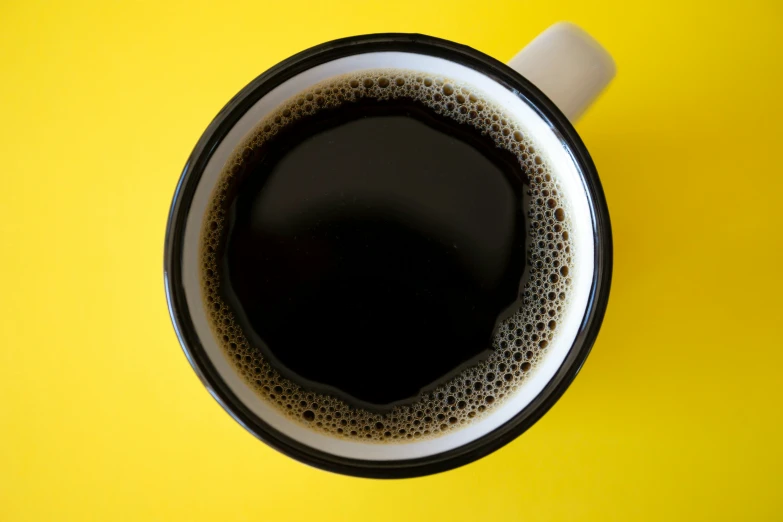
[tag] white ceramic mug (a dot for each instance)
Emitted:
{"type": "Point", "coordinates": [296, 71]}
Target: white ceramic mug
{"type": "Point", "coordinates": [571, 69]}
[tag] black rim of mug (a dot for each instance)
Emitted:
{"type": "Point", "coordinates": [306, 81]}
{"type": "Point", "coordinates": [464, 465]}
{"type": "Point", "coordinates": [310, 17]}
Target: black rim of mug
{"type": "Point", "coordinates": [227, 118]}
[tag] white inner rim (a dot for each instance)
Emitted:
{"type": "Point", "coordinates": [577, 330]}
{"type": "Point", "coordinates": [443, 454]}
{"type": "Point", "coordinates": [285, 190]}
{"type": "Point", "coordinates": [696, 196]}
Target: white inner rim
{"type": "Point", "coordinates": [582, 273]}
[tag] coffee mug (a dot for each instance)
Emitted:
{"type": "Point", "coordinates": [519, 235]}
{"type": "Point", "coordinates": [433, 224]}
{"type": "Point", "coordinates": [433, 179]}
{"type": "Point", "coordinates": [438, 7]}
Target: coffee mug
{"type": "Point", "coordinates": [544, 88]}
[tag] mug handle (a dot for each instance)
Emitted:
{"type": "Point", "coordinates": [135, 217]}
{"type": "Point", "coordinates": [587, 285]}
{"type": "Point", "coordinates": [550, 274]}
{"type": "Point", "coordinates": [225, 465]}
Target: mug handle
{"type": "Point", "coordinates": [568, 65]}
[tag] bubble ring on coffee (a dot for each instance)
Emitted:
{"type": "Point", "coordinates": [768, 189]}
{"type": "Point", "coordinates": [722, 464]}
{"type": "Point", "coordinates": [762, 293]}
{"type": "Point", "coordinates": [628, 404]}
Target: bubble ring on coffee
{"type": "Point", "coordinates": [521, 341]}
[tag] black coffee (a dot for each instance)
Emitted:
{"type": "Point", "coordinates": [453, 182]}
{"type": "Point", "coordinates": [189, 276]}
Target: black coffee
{"type": "Point", "coordinates": [365, 256]}
{"type": "Point", "coordinates": [389, 238]}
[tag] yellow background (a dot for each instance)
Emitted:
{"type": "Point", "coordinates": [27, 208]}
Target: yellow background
{"type": "Point", "coordinates": [677, 413]}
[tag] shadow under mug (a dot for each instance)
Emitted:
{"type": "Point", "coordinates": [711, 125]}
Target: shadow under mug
{"type": "Point", "coordinates": [572, 69]}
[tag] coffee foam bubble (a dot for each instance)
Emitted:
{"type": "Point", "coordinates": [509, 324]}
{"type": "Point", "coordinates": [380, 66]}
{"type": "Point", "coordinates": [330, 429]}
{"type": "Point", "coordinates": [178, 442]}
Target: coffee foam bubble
{"type": "Point", "coordinates": [520, 343]}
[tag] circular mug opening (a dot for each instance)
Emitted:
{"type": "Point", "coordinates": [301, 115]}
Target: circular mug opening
{"type": "Point", "coordinates": [552, 135]}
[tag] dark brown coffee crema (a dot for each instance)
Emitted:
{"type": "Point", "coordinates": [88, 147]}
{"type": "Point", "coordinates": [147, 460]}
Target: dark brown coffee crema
{"type": "Point", "coordinates": [386, 257]}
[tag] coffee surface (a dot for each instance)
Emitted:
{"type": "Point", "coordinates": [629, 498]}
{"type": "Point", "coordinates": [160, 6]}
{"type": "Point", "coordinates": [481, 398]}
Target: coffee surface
{"type": "Point", "coordinates": [403, 230]}
{"type": "Point", "coordinates": [386, 257]}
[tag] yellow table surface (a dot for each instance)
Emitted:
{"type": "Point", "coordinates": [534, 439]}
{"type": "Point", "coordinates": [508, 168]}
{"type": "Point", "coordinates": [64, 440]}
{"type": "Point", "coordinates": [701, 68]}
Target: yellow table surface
{"type": "Point", "coordinates": [675, 416]}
